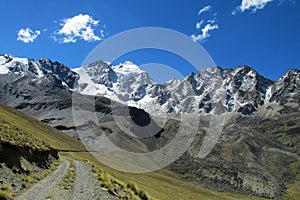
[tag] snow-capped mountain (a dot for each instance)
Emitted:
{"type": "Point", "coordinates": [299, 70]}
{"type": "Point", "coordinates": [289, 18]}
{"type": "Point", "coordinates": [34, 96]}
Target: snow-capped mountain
{"type": "Point", "coordinates": [286, 89]}
{"type": "Point", "coordinates": [37, 69]}
{"type": "Point", "coordinates": [125, 82]}
{"type": "Point", "coordinates": [212, 90]}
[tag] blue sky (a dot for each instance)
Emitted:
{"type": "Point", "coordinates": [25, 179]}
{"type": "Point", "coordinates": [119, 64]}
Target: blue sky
{"type": "Point", "coordinates": [263, 34]}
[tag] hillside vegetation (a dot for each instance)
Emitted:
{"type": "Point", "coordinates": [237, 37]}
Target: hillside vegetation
{"type": "Point", "coordinates": [155, 185]}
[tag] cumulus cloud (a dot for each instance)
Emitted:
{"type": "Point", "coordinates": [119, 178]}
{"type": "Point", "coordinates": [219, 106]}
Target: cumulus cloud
{"type": "Point", "coordinates": [251, 5]}
{"type": "Point", "coordinates": [78, 27]}
{"type": "Point", "coordinates": [27, 35]}
{"type": "Point", "coordinates": [204, 9]}
{"type": "Point", "coordinates": [205, 32]}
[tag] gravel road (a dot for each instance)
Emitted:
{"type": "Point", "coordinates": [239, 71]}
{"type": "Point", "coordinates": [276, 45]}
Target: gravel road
{"type": "Point", "coordinates": [44, 187]}
{"type": "Point", "coordinates": [86, 186]}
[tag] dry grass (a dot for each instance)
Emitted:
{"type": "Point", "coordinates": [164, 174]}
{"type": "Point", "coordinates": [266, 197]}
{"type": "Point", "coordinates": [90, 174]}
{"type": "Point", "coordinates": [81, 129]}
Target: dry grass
{"type": "Point", "coordinates": [5, 195]}
{"type": "Point", "coordinates": [118, 188]}
{"type": "Point", "coordinates": [13, 135]}
{"type": "Point", "coordinates": [68, 179]}
{"type": "Point", "coordinates": [293, 191]}
{"type": "Point", "coordinates": [30, 179]}
{"type": "Point", "coordinates": [5, 192]}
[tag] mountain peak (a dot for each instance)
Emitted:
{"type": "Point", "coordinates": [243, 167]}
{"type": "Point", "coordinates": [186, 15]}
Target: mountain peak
{"type": "Point", "coordinates": [123, 82]}
{"type": "Point", "coordinates": [7, 56]}
{"type": "Point", "coordinates": [244, 70]}
{"type": "Point", "coordinates": [128, 63]}
{"type": "Point", "coordinates": [13, 65]}
{"type": "Point", "coordinates": [286, 89]}
{"type": "Point", "coordinates": [128, 68]}
{"type": "Point", "coordinates": [98, 63]}
{"type": "Point", "coordinates": [290, 73]}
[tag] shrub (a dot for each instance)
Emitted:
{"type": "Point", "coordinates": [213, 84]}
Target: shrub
{"type": "Point", "coordinates": [5, 195]}
{"type": "Point", "coordinates": [5, 187]}
{"type": "Point", "coordinates": [38, 177]}
{"type": "Point", "coordinates": [142, 195]}
{"type": "Point", "coordinates": [132, 187]}
{"type": "Point", "coordinates": [15, 169]}
{"type": "Point", "coordinates": [111, 191]}
{"type": "Point", "coordinates": [47, 172]}
{"type": "Point", "coordinates": [5, 192]}
{"type": "Point", "coordinates": [27, 179]}
{"type": "Point", "coordinates": [24, 185]}
{"type": "Point", "coordinates": [106, 184]}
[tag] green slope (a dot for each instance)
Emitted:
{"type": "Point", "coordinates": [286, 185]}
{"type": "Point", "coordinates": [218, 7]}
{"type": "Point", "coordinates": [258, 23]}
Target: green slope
{"type": "Point", "coordinates": [159, 185]}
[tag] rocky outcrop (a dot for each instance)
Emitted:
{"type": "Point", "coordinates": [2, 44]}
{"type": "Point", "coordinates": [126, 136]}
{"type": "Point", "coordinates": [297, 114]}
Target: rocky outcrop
{"type": "Point", "coordinates": [11, 155]}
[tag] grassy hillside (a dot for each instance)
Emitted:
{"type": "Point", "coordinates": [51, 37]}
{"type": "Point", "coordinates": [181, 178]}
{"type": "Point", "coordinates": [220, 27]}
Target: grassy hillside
{"type": "Point", "coordinates": [159, 185]}
{"type": "Point", "coordinates": [11, 134]}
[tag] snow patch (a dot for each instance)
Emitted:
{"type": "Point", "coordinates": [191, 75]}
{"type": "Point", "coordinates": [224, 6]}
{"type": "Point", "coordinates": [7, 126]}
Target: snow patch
{"type": "Point", "coordinates": [268, 94]}
{"type": "Point", "coordinates": [4, 69]}
{"type": "Point", "coordinates": [21, 60]}
{"type": "Point", "coordinates": [2, 60]}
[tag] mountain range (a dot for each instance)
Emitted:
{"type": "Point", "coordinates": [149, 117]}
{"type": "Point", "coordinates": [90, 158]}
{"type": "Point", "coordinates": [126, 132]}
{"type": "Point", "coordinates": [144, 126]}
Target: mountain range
{"type": "Point", "coordinates": [212, 90]}
{"type": "Point", "coordinates": [256, 154]}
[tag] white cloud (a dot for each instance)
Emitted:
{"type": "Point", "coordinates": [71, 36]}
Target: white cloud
{"type": "Point", "coordinates": [78, 27]}
{"type": "Point", "coordinates": [27, 35]}
{"type": "Point", "coordinates": [199, 24]}
{"type": "Point", "coordinates": [251, 5]}
{"type": "Point", "coordinates": [205, 32]}
{"type": "Point", "coordinates": [204, 9]}
{"type": "Point", "coordinates": [212, 21]}
{"type": "Point", "coordinates": [205, 25]}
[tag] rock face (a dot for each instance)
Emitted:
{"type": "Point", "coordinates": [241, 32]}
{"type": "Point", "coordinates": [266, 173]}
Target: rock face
{"type": "Point", "coordinates": [286, 89]}
{"type": "Point", "coordinates": [11, 155]}
{"type": "Point", "coordinates": [256, 153]}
